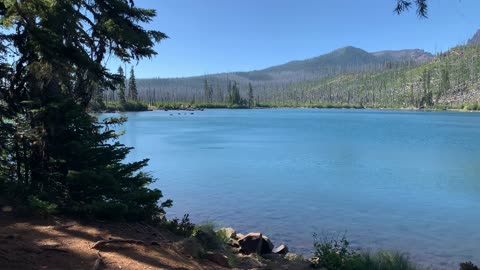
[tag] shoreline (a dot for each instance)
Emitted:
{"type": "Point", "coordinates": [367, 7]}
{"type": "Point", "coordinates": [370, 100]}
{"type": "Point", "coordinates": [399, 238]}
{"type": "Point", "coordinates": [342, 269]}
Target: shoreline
{"type": "Point", "coordinates": [300, 107]}
{"type": "Point", "coordinates": [60, 242]}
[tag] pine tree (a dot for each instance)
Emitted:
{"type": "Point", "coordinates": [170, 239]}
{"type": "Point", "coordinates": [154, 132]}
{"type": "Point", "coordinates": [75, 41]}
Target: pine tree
{"type": "Point", "coordinates": [53, 151]}
{"type": "Point", "coordinates": [234, 95]}
{"type": "Point", "coordinates": [121, 86]}
{"type": "Point", "coordinates": [132, 86]}
{"type": "Point", "coordinates": [251, 98]}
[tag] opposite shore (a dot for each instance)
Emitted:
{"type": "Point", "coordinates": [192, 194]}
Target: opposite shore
{"type": "Point", "coordinates": [167, 106]}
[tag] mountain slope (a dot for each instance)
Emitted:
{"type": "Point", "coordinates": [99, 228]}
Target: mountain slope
{"type": "Point", "coordinates": [344, 60]}
{"type": "Point", "coordinates": [475, 40]}
{"type": "Point", "coordinates": [415, 55]}
{"type": "Point", "coordinates": [450, 79]}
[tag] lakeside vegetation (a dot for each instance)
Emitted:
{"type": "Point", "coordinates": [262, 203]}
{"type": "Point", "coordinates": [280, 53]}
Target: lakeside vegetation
{"type": "Point", "coordinates": [138, 106]}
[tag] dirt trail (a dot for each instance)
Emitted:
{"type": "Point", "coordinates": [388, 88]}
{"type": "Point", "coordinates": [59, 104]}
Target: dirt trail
{"type": "Point", "coordinates": [66, 244]}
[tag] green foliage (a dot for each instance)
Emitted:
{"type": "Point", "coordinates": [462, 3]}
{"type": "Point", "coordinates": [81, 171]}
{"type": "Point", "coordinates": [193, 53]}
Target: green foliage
{"type": "Point", "coordinates": [54, 155]}
{"type": "Point", "coordinates": [132, 86]}
{"type": "Point", "coordinates": [404, 5]}
{"type": "Point", "coordinates": [41, 207]}
{"type": "Point", "coordinates": [234, 98]}
{"type": "Point", "coordinates": [210, 238]}
{"type": "Point", "coordinates": [381, 260]}
{"type": "Point", "coordinates": [450, 79]}
{"type": "Point", "coordinates": [472, 107]}
{"type": "Point", "coordinates": [468, 266]}
{"type": "Point", "coordinates": [251, 98]}
{"type": "Point", "coordinates": [182, 227]}
{"type": "Point", "coordinates": [121, 88]}
{"type": "Point", "coordinates": [136, 106]}
{"type": "Point", "coordinates": [334, 253]}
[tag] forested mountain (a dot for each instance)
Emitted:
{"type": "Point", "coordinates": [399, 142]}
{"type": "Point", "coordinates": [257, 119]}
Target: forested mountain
{"type": "Point", "coordinates": [451, 78]}
{"type": "Point", "coordinates": [345, 60]}
{"type": "Point", "coordinates": [346, 76]}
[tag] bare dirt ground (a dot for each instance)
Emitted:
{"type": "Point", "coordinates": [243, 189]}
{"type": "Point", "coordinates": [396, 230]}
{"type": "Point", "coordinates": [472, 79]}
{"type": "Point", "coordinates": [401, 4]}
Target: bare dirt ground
{"type": "Point", "coordinates": [57, 243]}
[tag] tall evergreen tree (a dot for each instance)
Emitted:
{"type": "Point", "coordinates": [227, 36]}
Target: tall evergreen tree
{"type": "Point", "coordinates": [132, 86]}
{"type": "Point", "coordinates": [251, 98]}
{"type": "Point", "coordinates": [234, 97]}
{"type": "Point", "coordinates": [54, 151]}
{"type": "Point", "coordinates": [121, 86]}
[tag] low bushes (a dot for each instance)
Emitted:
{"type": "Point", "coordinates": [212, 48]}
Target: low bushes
{"type": "Point", "coordinates": [335, 253]}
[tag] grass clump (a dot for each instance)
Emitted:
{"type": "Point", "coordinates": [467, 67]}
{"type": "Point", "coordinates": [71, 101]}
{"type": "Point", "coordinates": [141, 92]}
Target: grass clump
{"type": "Point", "coordinates": [382, 260]}
{"type": "Point", "coordinates": [335, 253]}
{"type": "Point", "coordinates": [209, 236]}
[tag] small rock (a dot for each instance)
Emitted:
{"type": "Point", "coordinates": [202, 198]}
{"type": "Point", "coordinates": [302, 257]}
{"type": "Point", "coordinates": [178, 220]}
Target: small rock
{"type": "Point", "coordinates": [190, 247]}
{"type": "Point", "coordinates": [218, 258]}
{"type": "Point", "coordinates": [282, 249]}
{"type": "Point", "coordinates": [228, 232]}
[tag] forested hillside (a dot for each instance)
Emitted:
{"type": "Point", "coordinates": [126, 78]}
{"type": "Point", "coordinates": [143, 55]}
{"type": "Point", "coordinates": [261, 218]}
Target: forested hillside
{"type": "Point", "coordinates": [267, 82]}
{"type": "Point", "coordinates": [451, 78]}
{"type": "Point", "coordinates": [346, 77]}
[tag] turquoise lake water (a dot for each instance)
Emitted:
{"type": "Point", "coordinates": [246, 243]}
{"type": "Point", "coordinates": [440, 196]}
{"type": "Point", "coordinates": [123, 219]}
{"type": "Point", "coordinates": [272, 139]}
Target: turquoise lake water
{"type": "Point", "coordinates": [407, 181]}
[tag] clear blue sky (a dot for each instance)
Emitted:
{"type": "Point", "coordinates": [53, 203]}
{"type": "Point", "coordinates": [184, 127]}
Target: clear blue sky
{"type": "Point", "coordinates": [211, 36]}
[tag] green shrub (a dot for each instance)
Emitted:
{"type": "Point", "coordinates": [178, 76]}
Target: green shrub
{"type": "Point", "coordinates": [41, 207]}
{"type": "Point", "coordinates": [334, 253]}
{"type": "Point", "coordinates": [182, 227]}
{"type": "Point", "coordinates": [468, 266]}
{"type": "Point", "coordinates": [381, 260]}
{"type": "Point", "coordinates": [210, 238]}
{"type": "Point", "coordinates": [134, 106]}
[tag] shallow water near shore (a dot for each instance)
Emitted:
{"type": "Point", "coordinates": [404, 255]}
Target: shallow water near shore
{"type": "Point", "coordinates": [398, 180]}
